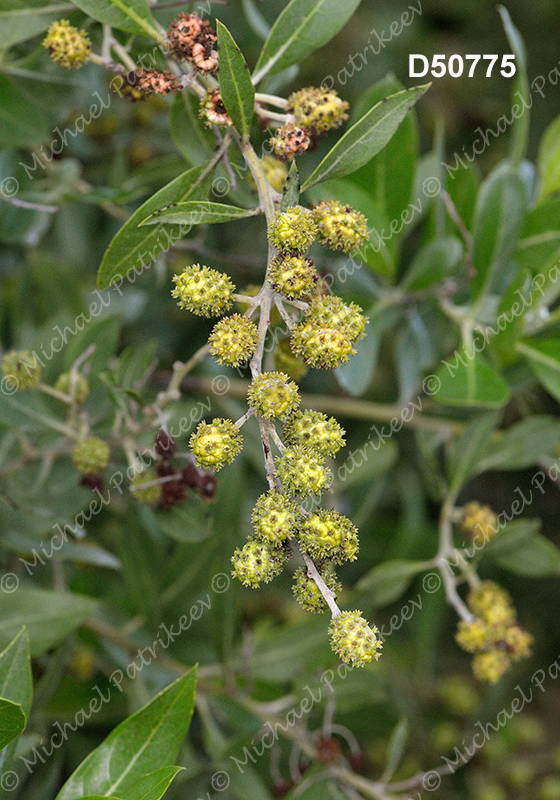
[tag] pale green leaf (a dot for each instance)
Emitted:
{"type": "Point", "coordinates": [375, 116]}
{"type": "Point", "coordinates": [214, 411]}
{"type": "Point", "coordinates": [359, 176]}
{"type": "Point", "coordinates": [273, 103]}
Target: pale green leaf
{"type": "Point", "coordinates": [520, 125]}
{"type": "Point", "coordinates": [24, 19]}
{"type": "Point", "coordinates": [544, 359]}
{"type": "Point", "coordinates": [153, 785]}
{"type": "Point", "coordinates": [236, 89]}
{"type": "Point", "coordinates": [302, 27]}
{"type": "Point", "coordinates": [22, 122]}
{"type": "Point", "coordinates": [367, 137]}
{"type": "Point", "coordinates": [523, 444]}
{"type": "Point", "coordinates": [48, 616]}
{"type": "Point", "coordinates": [470, 448]}
{"type": "Point", "coordinates": [127, 15]}
{"type": "Point", "coordinates": [535, 557]}
{"type": "Point", "coordinates": [387, 582]}
{"type": "Point", "coordinates": [548, 159]}
{"type": "Point", "coordinates": [198, 213]}
{"type": "Point", "coordinates": [290, 194]}
{"type": "Point", "coordinates": [151, 736]}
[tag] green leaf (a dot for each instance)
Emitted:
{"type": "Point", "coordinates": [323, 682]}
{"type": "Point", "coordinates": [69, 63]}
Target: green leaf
{"type": "Point", "coordinates": [151, 736]}
{"type": "Point", "coordinates": [15, 672]}
{"type": "Point", "coordinates": [471, 382]}
{"type": "Point", "coordinates": [536, 557]}
{"type": "Point", "coordinates": [126, 15]}
{"type": "Point", "coordinates": [12, 721]}
{"type": "Point", "coordinates": [133, 247]}
{"type": "Point", "coordinates": [541, 236]}
{"type": "Point", "coordinates": [48, 616]}
{"type": "Point", "coordinates": [520, 128]}
{"type": "Point", "coordinates": [22, 123]}
{"type": "Point", "coordinates": [302, 27]}
{"type": "Point", "coordinates": [470, 448]}
{"type": "Point", "coordinates": [99, 797]}
{"type": "Point", "coordinates": [102, 333]}
{"type": "Point", "coordinates": [548, 160]}
{"type": "Point", "coordinates": [290, 194]}
{"type": "Point", "coordinates": [523, 444]}
{"type": "Point", "coordinates": [390, 580]}
{"type": "Point", "coordinates": [255, 19]}
{"type": "Point", "coordinates": [198, 213]}
{"type": "Point", "coordinates": [498, 221]}
{"type": "Point", "coordinates": [153, 785]}
{"type": "Point", "coordinates": [236, 89]}
{"type": "Point", "coordinates": [389, 176]}
{"type": "Point", "coordinates": [191, 138]}
{"type": "Point", "coordinates": [23, 19]}
{"type": "Point", "coordinates": [433, 263]}
{"type": "Point", "coordinates": [395, 749]}
{"type": "Point", "coordinates": [544, 359]}
{"type": "Point", "coordinates": [367, 137]}
{"type": "Point", "coordinates": [357, 374]}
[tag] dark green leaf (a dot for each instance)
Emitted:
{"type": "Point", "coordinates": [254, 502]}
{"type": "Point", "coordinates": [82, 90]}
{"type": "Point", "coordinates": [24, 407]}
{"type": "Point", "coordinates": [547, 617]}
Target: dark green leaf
{"type": "Point", "coordinates": [126, 15]}
{"type": "Point", "coordinates": [390, 580]}
{"type": "Point", "coordinates": [192, 139]}
{"type": "Point", "coordinates": [12, 721]}
{"type": "Point", "coordinates": [541, 236]}
{"type": "Point", "coordinates": [498, 221]}
{"type": "Point", "coordinates": [523, 444]}
{"type": "Point", "coordinates": [22, 123]}
{"type": "Point", "coordinates": [544, 358]}
{"type": "Point", "coordinates": [198, 213]}
{"type": "Point", "coordinates": [151, 786]}
{"type": "Point", "coordinates": [290, 195]}
{"type": "Point", "coordinates": [470, 448]}
{"type": "Point", "coordinates": [302, 27]}
{"type": "Point", "coordinates": [389, 176]}
{"type": "Point", "coordinates": [468, 380]}
{"type": "Point", "coordinates": [15, 672]}
{"type": "Point", "coordinates": [134, 247]}
{"type": "Point", "coordinates": [236, 89]}
{"type": "Point", "coordinates": [48, 616]}
{"type": "Point", "coordinates": [520, 130]}
{"type": "Point", "coordinates": [151, 736]}
{"type": "Point", "coordinates": [367, 137]}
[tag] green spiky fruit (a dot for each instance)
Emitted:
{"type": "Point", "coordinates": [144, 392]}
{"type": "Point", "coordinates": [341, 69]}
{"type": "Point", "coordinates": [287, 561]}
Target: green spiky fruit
{"type": "Point", "coordinates": [353, 640]}
{"type": "Point", "coordinates": [321, 348]}
{"type": "Point", "coordinates": [203, 291]}
{"type": "Point", "coordinates": [274, 517]}
{"type": "Point", "coordinates": [328, 534]}
{"type": "Point", "coordinates": [233, 340]}
{"type": "Point", "coordinates": [302, 471]}
{"type": "Point", "coordinates": [315, 430]}
{"type": "Point", "coordinates": [215, 444]}
{"type": "Point", "coordinates": [75, 385]}
{"type": "Point", "coordinates": [146, 494]}
{"type": "Point", "coordinates": [21, 370]}
{"type": "Point", "coordinates": [257, 562]}
{"type": "Point", "coordinates": [318, 110]}
{"type": "Point", "coordinates": [91, 455]}
{"type": "Point", "coordinates": [292, 275]}
{"type": "Point", "coordinates": [340, 227]}
{"type": "Point", "coordinates": [307, 592]}
{"type": "Point", "coordinates": [273, 394]}
{"type": "Point", "coordinates": [293, 230]}
{"type": "Point", "coordinates": [67, 46]}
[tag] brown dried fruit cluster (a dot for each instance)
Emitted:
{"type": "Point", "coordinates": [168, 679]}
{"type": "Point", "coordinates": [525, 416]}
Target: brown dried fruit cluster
{"type": "Point", "coordinates": [194, 39]}
{"type": "Point", "coordinates": [150, 81]}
